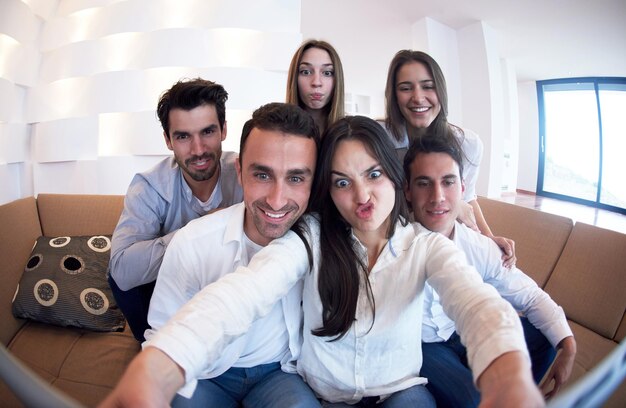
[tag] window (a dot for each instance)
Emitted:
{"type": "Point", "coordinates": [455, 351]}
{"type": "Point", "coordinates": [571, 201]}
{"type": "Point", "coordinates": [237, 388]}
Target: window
{"type": "Point", "coordinates": [582, 130]}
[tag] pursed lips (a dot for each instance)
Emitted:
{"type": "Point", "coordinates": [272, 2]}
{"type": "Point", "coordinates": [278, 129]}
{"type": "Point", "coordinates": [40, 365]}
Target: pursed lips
{"type": "Point", "coordinates": [364, 211]}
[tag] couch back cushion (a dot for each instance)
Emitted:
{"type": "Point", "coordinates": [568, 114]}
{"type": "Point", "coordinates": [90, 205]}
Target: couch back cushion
{"type": "Point", "coordinates": [78, 214]}
{"type": "Point", "coordinates": [539, 237]}
{"type": "Point", "coordinates": [18, 232]}
{"type": "Point", "coordinates": [589, 280]}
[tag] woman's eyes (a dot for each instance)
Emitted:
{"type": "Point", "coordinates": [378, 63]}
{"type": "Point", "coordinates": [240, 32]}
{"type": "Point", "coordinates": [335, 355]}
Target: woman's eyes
{"type": "Point", "coordinates": [374, 174]}
{"type": "Point", "coordinates": [307, 72]}
{"type": "Point", "coordinates": [341, 183]}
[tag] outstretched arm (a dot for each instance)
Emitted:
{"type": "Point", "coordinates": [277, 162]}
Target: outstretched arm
{"type": "Point", "coordinates": [151, 380]}
{"type": "Point", "coordinates": [217, 315]}
{"type": "Point", "coordinates": [507, 382]}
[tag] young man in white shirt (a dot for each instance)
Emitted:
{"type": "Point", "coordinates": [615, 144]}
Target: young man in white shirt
{"type": "Point", "coordinates": [433, 168]}
{"type": "Point", "coordinates": [275, 168]}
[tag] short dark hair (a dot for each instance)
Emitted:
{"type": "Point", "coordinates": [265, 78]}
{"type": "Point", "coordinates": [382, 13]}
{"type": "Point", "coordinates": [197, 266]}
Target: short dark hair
{"type": "Point", "coordinates": [188, 94]}
{"type": "Point", "coordinates": [434, 142]}
{"type": "Point", "coordinates": [281, 117]}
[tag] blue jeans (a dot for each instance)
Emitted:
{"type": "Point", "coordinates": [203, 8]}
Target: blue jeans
{"type": "Point", "coordinates": [265, 385]}
{"type": "Point", "coordinates": [416, 396]}
{"type": "Point", "coordinates": [449, 378]}
{"type": "Point", "coordinates": [134, 304]}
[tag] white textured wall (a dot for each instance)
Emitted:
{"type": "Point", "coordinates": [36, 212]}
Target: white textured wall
{"type": "Point", "coordinates": [482, 100]}
{"type": "Point", "coordinates": [80, 80]}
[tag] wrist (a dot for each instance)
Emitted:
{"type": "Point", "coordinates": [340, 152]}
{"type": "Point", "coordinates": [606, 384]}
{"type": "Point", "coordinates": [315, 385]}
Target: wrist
{"type": "Point", "coordinates": [568, 345]}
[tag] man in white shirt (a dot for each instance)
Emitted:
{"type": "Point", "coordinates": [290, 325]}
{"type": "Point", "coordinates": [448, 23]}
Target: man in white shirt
{"type": "Point", "coordinates": [275, 168]}
{"type": "Point", "coordinates": [433, 168]}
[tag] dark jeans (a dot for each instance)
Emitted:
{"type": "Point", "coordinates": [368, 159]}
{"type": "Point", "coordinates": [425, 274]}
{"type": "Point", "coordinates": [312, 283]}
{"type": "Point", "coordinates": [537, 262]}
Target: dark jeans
{"type": "Point", "coordinates": [262, 386]}
{"type": "Point", "coordinates": [415, 396]}
{"type": "Point", "coordinates": [134, 304]}
{"type": "Point", "coordinates": [449, 378]}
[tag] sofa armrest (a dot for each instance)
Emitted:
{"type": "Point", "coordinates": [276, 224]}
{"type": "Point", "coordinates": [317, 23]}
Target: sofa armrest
{"type": "Point", "coordinates": [20, 229]}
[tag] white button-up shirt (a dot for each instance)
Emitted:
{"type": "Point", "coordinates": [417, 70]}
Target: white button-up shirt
{"type": "Point", "coordinates": [512, 284]}
{"type": "Point", "coordinates": [372, 359]}
{"type": "Point", "coordinates": [201, 253]}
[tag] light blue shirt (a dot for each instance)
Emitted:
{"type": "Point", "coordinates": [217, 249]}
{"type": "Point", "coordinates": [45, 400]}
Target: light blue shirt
{"type": "Point", "coordinates": [157, 204]}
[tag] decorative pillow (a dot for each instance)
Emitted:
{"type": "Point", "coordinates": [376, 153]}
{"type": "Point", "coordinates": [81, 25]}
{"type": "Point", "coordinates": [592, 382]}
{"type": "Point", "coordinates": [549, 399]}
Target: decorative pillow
{"type": "Point", "coordinates": [65, 283]}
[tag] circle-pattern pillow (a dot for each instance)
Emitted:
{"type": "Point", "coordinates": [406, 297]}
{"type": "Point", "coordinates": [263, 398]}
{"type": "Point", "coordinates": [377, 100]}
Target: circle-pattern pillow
{"type": "Point", "coordinates": [65, 283]}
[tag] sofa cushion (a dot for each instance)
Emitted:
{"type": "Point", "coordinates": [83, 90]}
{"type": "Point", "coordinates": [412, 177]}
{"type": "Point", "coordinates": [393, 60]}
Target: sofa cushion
{"type": "Point", "coordinates": [539, 237]}
{"type": "Point", "coordinates": [83, 364]}
{"type": "Point", "coordinates": [589, 280]}
{"type": "Point", "coordinates": [591, 350]}
{"type": "Point", "coordinates": [64, 283]}
{"type": "Point", "coordinates": [78, 214]}
{"type": "Point", "coordinates": [19, 229]}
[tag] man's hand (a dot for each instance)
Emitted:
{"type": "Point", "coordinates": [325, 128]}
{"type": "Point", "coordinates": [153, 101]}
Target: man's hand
{"type": "Point", "coordinates": [508, 382]}
{"type": "Point", "coordinates": [561, 369]}
{"type": "Point", "coordinates": [151, 380]}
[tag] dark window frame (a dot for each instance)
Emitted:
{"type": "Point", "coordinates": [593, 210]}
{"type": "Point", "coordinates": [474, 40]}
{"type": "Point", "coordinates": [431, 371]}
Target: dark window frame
{"type": "Point", "coordinates": [596, 81]}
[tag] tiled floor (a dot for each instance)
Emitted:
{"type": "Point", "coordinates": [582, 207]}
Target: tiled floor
{"type": "Point", "coordinates": [579, 213]}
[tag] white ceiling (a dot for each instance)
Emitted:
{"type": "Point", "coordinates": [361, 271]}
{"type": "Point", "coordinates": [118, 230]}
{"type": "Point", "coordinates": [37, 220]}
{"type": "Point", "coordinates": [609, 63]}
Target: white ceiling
{"type": "Point", "coordinates": [544, 39]}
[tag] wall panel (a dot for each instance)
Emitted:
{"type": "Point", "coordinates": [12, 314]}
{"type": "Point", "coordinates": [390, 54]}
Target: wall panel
{"type": "Point", "coordinates": [86, 75]}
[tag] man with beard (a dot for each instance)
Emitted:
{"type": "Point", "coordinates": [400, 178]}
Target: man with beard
{"type": "Point", "coordinates": [196, 180]}
{"type": "Point", "coordinates": [275, 168]}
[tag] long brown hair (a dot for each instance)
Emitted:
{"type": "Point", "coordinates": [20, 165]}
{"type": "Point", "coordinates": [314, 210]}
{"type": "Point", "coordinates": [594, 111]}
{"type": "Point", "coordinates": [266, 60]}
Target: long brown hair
{"type": "Point", "coordinates": [335, 109]}
{"type": "Point", "coordinates": [341, 270]}
{"type": "Point", "coordinates": [394, 120]}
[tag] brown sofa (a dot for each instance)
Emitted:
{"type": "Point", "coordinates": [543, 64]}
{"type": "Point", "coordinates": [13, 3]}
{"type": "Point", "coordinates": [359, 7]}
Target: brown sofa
{"type": "Point", "coordinates": [83, 364]}
{"type": "Point", "coordinates": [581, 266]}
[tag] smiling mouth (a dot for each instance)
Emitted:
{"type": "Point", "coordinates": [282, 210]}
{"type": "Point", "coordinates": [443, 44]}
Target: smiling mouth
{"type": "Point", "coordinates": [420, 109]}
{"type": "Point", "coordinates": [275, 216]}
{"type": "Point", "coordinates": [438, 212]}
{"type": "Point", "coordinates": [200, 161]}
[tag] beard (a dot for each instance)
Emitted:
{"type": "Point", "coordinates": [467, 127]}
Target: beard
{"type": "Point", "coordinates": [200, 175]}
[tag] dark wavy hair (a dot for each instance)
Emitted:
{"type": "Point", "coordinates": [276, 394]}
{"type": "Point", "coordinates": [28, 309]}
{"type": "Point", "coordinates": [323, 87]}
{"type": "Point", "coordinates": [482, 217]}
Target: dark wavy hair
{"type": "Point", "coordinates": [188, 94]}
{"type": "Point", "coordinates": [341, 271]}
